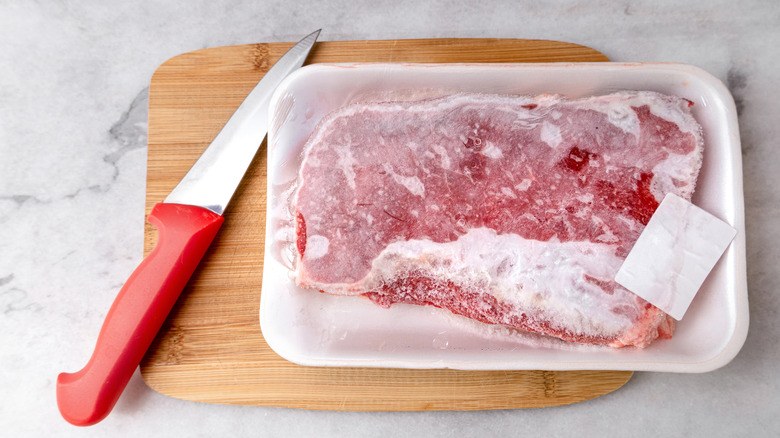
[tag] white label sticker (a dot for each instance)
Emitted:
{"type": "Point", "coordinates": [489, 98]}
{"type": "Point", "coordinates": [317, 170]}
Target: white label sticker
{"type": "Point", "coordinates": [674, 254]}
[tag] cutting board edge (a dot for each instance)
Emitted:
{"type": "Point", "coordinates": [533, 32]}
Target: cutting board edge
{"type": "Point", "coordinates": [597, 55]}
{"type": "Point", "coordinates": [618, 378]}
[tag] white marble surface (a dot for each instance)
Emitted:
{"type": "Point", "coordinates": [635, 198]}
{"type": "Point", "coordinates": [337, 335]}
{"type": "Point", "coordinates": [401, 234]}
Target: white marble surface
{"type": "Point", "coordinates": [73, 91]}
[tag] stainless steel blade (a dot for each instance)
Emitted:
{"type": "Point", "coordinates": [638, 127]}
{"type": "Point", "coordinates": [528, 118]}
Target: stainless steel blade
{"type": "Point", "coordinates": [213, 179]}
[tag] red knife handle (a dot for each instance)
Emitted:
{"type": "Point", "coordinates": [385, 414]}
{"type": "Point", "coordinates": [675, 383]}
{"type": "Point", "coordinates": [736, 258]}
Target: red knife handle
{"type": "Point", "coordinates": [139, 310]}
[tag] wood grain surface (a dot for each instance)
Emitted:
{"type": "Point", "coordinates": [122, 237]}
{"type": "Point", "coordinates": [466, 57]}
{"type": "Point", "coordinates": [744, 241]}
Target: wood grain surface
{"type": "Point", "coordinates": [211, 348]}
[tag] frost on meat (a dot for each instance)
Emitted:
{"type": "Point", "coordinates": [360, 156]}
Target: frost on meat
{"type": "Point", "coordinates": [505, 209]}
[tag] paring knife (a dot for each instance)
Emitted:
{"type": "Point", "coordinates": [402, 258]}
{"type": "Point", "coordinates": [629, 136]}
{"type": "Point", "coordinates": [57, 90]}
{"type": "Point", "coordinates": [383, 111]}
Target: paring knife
{"type": "Point", "coordinates": [187, 222]}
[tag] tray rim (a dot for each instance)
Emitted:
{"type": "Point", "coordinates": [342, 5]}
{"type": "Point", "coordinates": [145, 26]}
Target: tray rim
{"type": "Point", "coordinates": [739, 333]}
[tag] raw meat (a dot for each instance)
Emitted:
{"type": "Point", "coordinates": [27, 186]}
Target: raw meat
{"type": "Point", "coordinates": [505, 209]}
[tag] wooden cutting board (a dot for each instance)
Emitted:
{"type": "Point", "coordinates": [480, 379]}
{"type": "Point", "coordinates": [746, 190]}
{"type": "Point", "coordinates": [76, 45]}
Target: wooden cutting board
{"type": "Point", "coordinates": [211, 348]}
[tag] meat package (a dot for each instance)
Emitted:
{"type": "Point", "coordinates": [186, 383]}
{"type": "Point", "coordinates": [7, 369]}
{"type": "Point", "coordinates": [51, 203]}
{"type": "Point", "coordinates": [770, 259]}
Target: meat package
{"type": "Point", "coordinates": [510, 210]}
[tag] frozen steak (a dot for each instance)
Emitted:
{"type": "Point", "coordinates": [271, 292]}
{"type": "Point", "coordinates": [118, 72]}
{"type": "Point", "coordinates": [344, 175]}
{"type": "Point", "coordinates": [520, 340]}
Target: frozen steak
{"type": "Point", "coordinates": [505, 209]}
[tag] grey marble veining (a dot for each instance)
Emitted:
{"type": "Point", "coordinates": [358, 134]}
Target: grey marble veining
{"type": "Point", "coordinates": [73, 95]}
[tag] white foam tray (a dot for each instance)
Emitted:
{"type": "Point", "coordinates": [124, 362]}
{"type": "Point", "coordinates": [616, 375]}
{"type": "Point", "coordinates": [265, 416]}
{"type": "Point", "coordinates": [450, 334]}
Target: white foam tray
{"type": "Point", "coordinates": [317, 329]}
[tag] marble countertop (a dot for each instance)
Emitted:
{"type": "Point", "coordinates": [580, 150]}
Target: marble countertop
{"type": "Point", "coordinates": [73, 94]}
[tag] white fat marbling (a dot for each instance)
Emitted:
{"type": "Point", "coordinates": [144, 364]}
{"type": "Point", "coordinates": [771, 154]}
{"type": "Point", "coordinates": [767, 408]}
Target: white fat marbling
{"type": "Point", "coordinates": [526, 274]}
{"type": "Point", "coordinates": [73, 89]}
{"type": "Point", "coordinates": [316, 247]}
{"type": "Point", "coordinates": [551, 134]}
{"type": "Point", "coordinates": [411, 183]}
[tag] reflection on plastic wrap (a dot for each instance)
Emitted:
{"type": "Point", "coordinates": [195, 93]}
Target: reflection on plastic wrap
{"type": "Point", "coordinates": [283, 233]}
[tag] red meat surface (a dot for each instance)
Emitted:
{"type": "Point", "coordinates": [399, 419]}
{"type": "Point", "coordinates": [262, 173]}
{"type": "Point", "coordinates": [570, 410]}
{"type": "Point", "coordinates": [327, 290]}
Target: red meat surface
{"type": "Point", "coordinates": [505, 209]}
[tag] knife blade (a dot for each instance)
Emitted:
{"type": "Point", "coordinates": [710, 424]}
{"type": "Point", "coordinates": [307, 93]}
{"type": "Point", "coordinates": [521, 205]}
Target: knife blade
{"type": "Point", "coordinates": [187, 221]}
